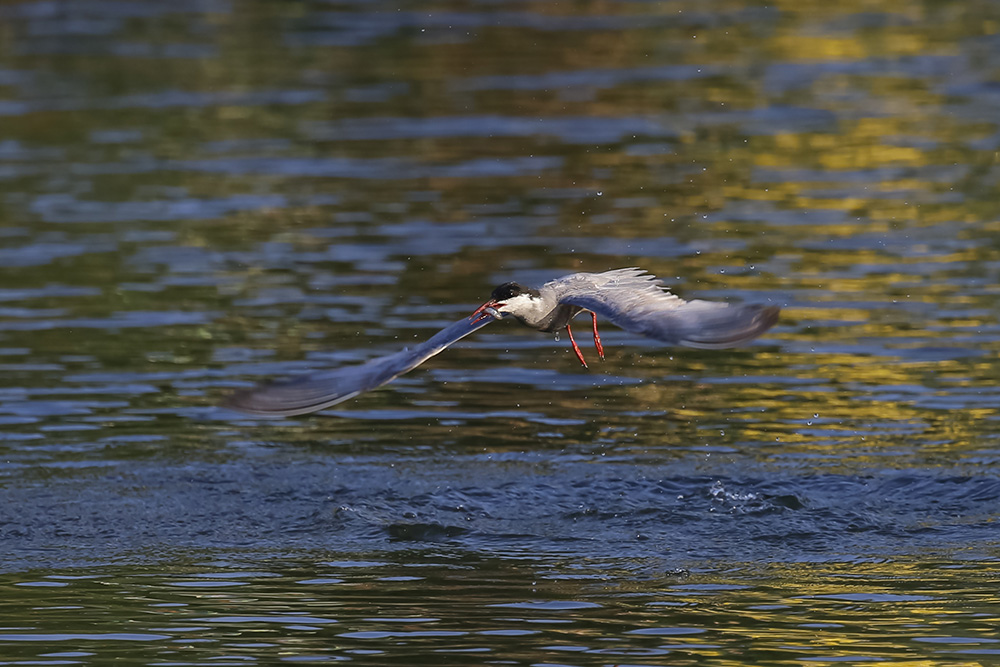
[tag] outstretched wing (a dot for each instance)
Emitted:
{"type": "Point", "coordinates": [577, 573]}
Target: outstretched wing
{"type": "Point", "coordinates": [316, 391]}
{"type": "Point", "coordinates": [636, 301]}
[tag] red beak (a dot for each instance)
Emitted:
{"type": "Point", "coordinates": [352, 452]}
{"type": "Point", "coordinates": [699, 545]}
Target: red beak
{"type": "Point", "coordinates": [480, 314]}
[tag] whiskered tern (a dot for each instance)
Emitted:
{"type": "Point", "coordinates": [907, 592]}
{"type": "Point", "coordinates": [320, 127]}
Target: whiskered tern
{"type": "Point", "coordinates": [630, 298]}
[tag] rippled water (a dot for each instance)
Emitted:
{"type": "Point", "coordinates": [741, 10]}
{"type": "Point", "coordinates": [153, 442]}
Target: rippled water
{"type": "Point", "coordinates": [451, 609]}
{"type": "Point", "coordinates": [198, 195]}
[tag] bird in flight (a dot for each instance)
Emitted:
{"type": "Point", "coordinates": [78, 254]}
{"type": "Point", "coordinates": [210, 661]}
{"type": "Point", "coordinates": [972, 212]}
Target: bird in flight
{"type": "Point", "coordinates": [630, 298]}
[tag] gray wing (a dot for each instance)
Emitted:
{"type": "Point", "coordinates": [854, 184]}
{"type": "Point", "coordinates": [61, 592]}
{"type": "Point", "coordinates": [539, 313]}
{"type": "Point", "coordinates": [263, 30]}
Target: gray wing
{"type": "Point", "coordinates": [316, 391]}
{"type": "Point", "coordinates": [636, 301]}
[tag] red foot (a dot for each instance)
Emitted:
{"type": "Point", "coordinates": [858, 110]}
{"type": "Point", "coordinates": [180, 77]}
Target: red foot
{"type": "Point", "coordinates": [576, 348]}
{"type": "Point", "coordinates": [597, 338]}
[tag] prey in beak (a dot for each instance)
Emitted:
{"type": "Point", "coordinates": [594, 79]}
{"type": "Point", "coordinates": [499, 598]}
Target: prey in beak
{"type": "Point", "coordinates": [488, 309]}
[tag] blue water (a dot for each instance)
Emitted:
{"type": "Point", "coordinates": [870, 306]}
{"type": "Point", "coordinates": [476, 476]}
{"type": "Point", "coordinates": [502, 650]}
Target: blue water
{"type": "Point", "coordinates": [200, 195]}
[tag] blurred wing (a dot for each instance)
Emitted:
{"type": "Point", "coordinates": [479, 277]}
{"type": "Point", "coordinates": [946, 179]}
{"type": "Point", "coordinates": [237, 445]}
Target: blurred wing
{"type": "Point", "coordinates": [636, 302]}
{"type": "Point", "coordinates": [316, 391]}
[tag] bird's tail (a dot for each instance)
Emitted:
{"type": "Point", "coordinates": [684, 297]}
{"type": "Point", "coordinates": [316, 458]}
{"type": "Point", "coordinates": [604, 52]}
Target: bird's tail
{"type": "Point", "coordinates": [719, 328]}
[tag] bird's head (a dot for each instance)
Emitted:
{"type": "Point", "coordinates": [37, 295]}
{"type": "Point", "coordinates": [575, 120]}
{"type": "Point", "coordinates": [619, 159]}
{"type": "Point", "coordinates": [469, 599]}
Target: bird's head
{"type": "Point", "coordinates": [507, 299]}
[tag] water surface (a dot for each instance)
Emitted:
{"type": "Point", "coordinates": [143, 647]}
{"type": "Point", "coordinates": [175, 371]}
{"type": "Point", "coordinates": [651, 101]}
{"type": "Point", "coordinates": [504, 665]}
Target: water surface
{"type": "Point", "coordinates": [198, 195]}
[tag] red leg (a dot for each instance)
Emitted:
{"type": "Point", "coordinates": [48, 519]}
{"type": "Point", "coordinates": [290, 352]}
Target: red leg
{"type": "Point", "coordinates": [576, 348]}
{"type": "Point", "coordinates": [597, 337]}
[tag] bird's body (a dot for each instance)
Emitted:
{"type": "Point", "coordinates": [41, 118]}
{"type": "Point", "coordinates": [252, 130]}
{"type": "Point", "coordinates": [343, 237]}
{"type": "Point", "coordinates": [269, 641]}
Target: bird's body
{"type": "Point", "coordinates": [635, 301]}
{"type": "Point", "coordinates": [630, 298]}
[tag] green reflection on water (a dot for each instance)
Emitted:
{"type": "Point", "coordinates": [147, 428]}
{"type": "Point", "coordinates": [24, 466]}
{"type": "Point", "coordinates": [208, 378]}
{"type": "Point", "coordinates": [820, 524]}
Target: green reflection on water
{"type": "Point", "coordinates": [529, 610]}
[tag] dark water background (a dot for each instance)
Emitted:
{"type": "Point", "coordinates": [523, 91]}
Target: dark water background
{"type": "Point", "coordinates": [196, 194]}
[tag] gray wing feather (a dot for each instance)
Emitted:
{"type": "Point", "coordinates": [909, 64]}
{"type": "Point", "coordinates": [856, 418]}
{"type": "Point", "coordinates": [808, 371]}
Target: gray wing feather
{"type": "Point", "coordinates": [316, 391]}
{"type": "Point", "coordinates": [636, 301]}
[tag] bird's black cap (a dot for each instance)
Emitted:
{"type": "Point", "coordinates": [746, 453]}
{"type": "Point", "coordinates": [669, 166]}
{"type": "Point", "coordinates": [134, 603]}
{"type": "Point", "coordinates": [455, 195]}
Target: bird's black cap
{"type": "Point", "coordinates": [507, 291]}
